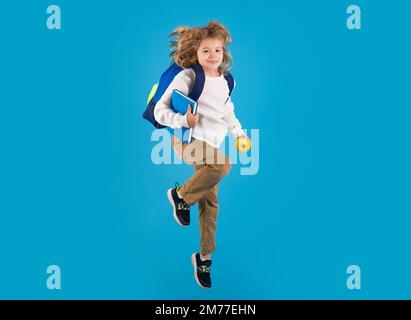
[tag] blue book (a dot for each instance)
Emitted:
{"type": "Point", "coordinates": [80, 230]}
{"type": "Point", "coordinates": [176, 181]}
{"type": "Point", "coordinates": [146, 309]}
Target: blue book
{"type": "Point", "coordinates": [179, 103]}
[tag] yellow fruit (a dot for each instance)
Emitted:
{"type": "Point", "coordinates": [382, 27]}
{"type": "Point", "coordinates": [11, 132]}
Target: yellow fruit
{"type": "Point", "coordinates": [243, 144]}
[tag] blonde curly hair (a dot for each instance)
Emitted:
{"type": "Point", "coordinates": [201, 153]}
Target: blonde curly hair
{"type": "Point", "coordinates": [184, 48]}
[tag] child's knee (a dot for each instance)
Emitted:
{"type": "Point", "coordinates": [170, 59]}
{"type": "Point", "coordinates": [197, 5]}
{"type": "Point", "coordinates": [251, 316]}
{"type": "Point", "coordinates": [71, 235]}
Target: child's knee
{"type": "Point", "coordinates": [222, 169]}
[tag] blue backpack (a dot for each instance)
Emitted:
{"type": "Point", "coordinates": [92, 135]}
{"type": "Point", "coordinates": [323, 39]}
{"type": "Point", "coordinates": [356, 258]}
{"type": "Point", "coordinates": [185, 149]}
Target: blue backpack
{"type": "Point", "coordinates": [166, 78]}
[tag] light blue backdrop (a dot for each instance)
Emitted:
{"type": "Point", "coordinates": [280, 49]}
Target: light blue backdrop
{"type": "Point", "coordinates": [78, 188]}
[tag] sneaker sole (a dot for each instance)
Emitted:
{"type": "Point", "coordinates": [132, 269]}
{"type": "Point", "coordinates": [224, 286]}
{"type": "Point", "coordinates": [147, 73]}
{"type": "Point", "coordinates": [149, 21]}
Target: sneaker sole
{"type": "Point", "coordinates": [170, 198]}
{"type": "Point", "coordinates": [194, 262]}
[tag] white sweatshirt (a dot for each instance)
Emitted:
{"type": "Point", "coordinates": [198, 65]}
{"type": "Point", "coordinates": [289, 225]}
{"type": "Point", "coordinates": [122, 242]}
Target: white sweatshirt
{"type": "Point", "coordinates": [215, 109]}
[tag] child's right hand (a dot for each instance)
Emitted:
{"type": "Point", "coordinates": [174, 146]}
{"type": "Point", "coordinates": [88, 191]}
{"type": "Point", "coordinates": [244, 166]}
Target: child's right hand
{"type": "Point", "coordinates": [191, 119]}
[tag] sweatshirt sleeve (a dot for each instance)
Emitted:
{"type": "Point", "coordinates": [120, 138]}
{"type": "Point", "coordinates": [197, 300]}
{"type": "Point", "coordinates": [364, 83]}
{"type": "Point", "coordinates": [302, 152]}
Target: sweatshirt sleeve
{"type": "Point", "coordinates": [232, 122]}
{"type": "Point", "coordinates": [163, 113]}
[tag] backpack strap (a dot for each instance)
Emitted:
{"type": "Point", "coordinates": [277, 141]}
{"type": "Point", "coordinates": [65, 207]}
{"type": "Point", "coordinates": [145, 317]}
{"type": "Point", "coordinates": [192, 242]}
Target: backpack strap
{"type": "Point", "coordinates": [198, 83]}
{"type": "Point", "coordinates": [200, 79]}
{"type": "Point", "coordinates": [230, 82]}
{"type": "Point", "coordinates": [198, 87]}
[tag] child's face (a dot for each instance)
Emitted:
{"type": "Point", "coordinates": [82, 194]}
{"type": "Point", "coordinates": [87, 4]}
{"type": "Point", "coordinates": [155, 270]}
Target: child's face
{"type": "Point", "coordinates": [210, 55]}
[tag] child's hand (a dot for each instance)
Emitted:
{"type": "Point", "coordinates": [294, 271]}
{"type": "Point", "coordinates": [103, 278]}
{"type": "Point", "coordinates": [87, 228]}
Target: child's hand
{"type": "Point", "coordinates": [245, 138]}
{"type": "Point", "coordinates": [191, 119]}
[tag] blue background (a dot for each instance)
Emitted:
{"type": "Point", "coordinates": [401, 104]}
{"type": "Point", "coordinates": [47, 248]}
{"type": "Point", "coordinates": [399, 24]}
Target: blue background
{"type": "Point", "coordinates": [78, 188]}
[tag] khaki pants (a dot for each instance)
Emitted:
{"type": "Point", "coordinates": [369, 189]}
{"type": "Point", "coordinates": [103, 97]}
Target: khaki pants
{"type": "Point", "coordinates": [210, 167]}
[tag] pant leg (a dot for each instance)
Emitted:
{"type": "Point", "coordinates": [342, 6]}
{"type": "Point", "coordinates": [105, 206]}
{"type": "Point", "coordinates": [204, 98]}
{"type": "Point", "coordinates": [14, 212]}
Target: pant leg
{"type": "Point", "coordinates": [215, 166]}
{"type": "Point", "coordinates": [203, 187]}
{"type": "Point", "coordinates": [208, 212]}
